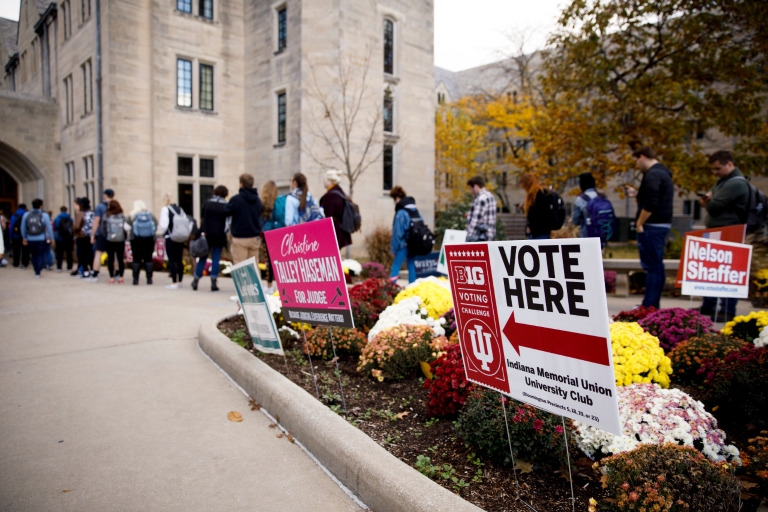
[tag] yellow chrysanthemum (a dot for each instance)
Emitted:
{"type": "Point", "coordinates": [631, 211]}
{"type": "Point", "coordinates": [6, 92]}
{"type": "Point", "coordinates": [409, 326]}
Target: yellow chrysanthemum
{"type": "Point", "coordinates": [435, 298]}
{"type": "Point", "coordinates": [760, 316]}
{"type": "Point", "coordinates": [637, 356]}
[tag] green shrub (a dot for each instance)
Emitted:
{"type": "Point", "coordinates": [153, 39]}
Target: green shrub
{"type": "Point", "coordinates": [670, 478]}
{"type": "Point", "coordinates": [537, 436]}
{"type": "Point", "coordinates": [377, 245]}
{"type": "Point", "coordinates": [347, 341]}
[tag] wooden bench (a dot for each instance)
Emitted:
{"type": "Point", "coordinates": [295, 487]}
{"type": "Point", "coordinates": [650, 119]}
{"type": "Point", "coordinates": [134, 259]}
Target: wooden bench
{"type": "Point", "coordinates": [624, 267]}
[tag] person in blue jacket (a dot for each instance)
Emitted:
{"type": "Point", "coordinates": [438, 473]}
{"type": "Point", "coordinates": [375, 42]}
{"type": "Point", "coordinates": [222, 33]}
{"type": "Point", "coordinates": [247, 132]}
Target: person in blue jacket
{"type": "Point", "coordinates": [64, 229]}
{"type": "Point", "coordinates": [20, 251]}
{"type": "Point", "coordinates": [401, 228]}
{"type": "Point", "coordinates": [37, 233]}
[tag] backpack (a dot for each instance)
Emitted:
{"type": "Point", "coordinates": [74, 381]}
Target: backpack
{"type": "Point", "coordinates": [143, 225]}
{"type": "Point", "coordinates": [556, 207]}
{"type": "Point", "coordinates": [420, 238]}
{"type": "Point", "coordinates": [757, 208]}
{"type": "Point", "coordinates": [66, 229]}
{"type": "Point", "coordinates": [278, 215]}
{"type": "Point", "coordinates": [600, 218]}
{"type": "Point", "coordinates": [181, 225]}
{"type": "Point", "coordinates": [16, 221]}
{"type": "Point", "coordinates": [35, 223]}
{"type": "Point", "coordinates": [113, 227]}
{"type": "Point", "coordinates": [350, 219]}
{"type": "Point", "coordinates": [311, 211]}
{"type": "Point", "coordinates": [87, 228]}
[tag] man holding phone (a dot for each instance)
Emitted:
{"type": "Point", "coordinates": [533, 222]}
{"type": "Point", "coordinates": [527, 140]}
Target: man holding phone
{"type": "Point", "coordinates": [727, 205]}
{"type": "Point", "coordinates": [653, 221]}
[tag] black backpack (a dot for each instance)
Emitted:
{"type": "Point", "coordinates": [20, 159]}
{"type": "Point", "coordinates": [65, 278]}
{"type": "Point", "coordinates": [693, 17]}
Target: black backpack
{"type": "Point", "coordinates": [420, 238]}
{"type": "Point", "coordinates": [35, 223]}
{"type": "Point", "coordinates": [350, 219]}
{"type": "Point", "coordinates": [66, 229]}
{"type": "Point", "coordinates": [757, 208]}
{"type": "Point", "coordinates": [556, 210]}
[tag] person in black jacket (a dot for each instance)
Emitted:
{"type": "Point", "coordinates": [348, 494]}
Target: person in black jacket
{"type": "Point", "coordinates": [212, 227]}
{"type": "Point", "coordinates": [653, 221]}
{"type": "Point", "coordinates": [536, 208]}
{"type": "Point", "coordinates": [333, 203]}
{"type": "Point", "coordinates": [245, 210]}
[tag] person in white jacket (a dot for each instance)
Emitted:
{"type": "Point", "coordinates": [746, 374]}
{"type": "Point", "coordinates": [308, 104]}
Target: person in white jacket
{"type": "Point", "coordinates": [174, 250]}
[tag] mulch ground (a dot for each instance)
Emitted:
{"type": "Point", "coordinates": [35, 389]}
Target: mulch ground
{"type": "Point", "coordinates": [394, 414]}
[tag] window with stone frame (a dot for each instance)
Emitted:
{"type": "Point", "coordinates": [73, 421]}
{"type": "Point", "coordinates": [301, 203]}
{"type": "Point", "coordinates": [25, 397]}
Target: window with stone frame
{"type": "Point", "coordinates": [71, 183]}
{"type": "Point", "coordinates": [205, 9]}
{"type": "Point", "coordinates": [183, 83]}
{"type": "Point", "coordinates": [66, 21]}
{"type": "Point", "coordinates": [388, 166]}
{"type": "Point", "coordinates": [282, 117]}
{"type": "Point", "coordinates": [186, 197]}
{"type": "Point", "coordinates": [85, 10]}
{"type": "Point", "coordinates": [389, 46]}
{"type": "Point", "coordinates": [184, 166]}
{"type": "Point", "coordinates": [389, 112]}
{"type": "Point", "coordinates": [206, 168]}
{"type": "Point", "coordinates": [87, 72]}
{"type": "Point", "coordinates": [184, 6]}
{"type": "Point", "coordinates": [89, 181]}
{"type": "Point", "coordinates": [206, 192]}
{"type": "Point", "coordinates": [206, 87]}
{"type": "Point", "coordinates": [282, 28]}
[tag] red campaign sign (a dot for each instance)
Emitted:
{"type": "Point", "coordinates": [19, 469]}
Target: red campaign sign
{"type": "Point", "coordinates": [480, 337]}
{"type": "Point", "coordinates": [733, 234]}
{"type": "Point", "coordinates": [714, 268]}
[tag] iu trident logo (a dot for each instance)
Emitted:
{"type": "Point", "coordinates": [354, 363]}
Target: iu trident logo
{"type": "Point", "coordinates": [481, 346]}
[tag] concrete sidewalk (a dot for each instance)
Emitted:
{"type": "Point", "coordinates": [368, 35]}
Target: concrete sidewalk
{"type": "Point", "coordinates": [107, 404]}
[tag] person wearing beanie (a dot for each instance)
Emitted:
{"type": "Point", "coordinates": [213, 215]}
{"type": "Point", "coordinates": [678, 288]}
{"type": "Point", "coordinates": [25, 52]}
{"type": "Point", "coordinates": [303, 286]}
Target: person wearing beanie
{"type": "Point", "coordinates": [333, 203]}
{"type": "Point", "coordinates": [579, 217]}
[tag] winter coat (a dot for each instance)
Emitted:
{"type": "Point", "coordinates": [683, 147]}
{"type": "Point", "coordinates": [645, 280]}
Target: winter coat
{"type": "Point", "coordinates": [401, 226]}
{"type": "Point", "coordinates": [15, 223]}
{"type": "Point", "coordinates": [245, 210]}
{"type": "Point", "coordinates": [214, 221]}
{"type": "Point", "coordinates": [656, 194]}
{"type": "Point", "coordinates": [729, 203]}
{"type": "Point", "coordinates": [333, 204]}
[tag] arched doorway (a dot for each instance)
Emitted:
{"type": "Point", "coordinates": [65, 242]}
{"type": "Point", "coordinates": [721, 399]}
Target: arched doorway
{"type": "Point", "coordinates": [9, 194]}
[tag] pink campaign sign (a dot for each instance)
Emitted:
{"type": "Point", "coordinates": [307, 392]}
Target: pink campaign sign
{"type": "Point", "coordinates": [309, 275]}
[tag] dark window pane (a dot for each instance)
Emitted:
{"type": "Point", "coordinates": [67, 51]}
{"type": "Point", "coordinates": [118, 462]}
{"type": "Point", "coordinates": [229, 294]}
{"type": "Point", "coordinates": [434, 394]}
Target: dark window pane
{"type": "Point", "coordinates": [185, 166]}
{"type": "Point", "coordinates": [206, 168]}
{"type": "Point", "coordinates": [389, 113]}
{"type": "Point", "coordinates": [186, 198]}
{"type": "Point", "coordinates": [206, 87]}
{"type": "Point", "coordinates": [183, 83]}
{"type": "Point", "coordinates": [389, 47]}
{"type": "Point", "coordinates": [206, 192]}
{"type": "Point", "coordinates": [696, 210]}
{"type": "Point", "coordinates": [282, 29]}
{"type": "Point", "coordinates": [281, 117]}
{"type": "Point", "coordinates": [388, 167]}
{"type": "Point", "coordinates": [206, 9]}
{"type": "Point", "coordinates": [184, 5]}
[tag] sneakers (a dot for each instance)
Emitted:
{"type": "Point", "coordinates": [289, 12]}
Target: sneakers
{"type": "Point", "coordinates": [92, 279]}
{"type": "Point", "coordinates": [120, 280]}
{"type": "Point", "coordinates": [195, 280]}
{"type": "Point", "coordinates": [111, 281]}
{"type": "Point", "coordinates": [23, 267]}
{"type": "Point", "coordinates": [50, 268]}
{"type": "Point", "coordinates": [37, 276]}
{"type": "Point", "coordinates": [74, 273]}
{"type": "Point", "coordinates": [58, 271]}
{"type": "Point", "coordinates": [174, 286]}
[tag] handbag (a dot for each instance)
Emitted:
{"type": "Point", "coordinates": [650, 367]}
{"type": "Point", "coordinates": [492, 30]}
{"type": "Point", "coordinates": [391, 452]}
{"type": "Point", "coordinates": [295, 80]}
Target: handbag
{"type": "Point", "coordinates": [199, 248]}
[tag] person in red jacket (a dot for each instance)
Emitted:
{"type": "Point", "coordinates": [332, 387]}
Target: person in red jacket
{"type": "Point", "coordinates": [332, 204]}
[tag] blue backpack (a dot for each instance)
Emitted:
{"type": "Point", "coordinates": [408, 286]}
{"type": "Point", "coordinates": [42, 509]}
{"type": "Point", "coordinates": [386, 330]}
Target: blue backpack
{"type": "Point", "coordinates": [311, 211]}
{"type": "Point", "coordinates": [143, 225]}
{"type": "Point", "coordinates": [600, 218]}
{"type": "Point", "coordinates": [278, 215]}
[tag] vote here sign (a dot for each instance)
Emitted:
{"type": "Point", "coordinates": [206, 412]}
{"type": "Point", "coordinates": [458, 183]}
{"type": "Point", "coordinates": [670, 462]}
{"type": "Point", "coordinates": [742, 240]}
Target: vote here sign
{"type": "Point", "coordinates": [533, 324]}
{"type": "Point", "coordinates": [714, 268]}
{"type": "Point", "coordinates": [307, 268]}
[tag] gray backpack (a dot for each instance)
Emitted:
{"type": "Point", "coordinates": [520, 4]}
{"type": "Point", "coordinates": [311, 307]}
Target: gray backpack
{"type": "Point", "coordinates": [181, 225]}
{"type": "Point", "coordinates": [115, 229]}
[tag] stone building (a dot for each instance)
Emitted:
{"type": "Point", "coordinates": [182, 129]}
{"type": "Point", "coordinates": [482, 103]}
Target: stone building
{"type": "Point", "coordinates": [181, 95]}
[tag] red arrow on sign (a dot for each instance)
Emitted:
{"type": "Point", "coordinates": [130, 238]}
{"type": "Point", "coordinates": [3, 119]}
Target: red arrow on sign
{"type": "Point", "coordinates": [586, 347]}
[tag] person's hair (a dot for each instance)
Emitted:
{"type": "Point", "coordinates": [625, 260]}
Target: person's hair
{"type": "Point", "coordinates": [167, 199]}
{"type": "Point", "coordinates": [138, 207]}
{"type": "Point", "coordinates": [23, 205]}
{"type": "Point", "coordinates": [113, 208]}
{"type": "Point", "coordinates": [333, 176]}
{"type": "Point", "coordinates": [586, 181]}
{"type": "Point", "coordinates": [109, 193]}
{"type": "Point", "coordinates": [37, 203]}
{"type": "Point", "coordinates": [84, 203]}
{"type": "Point", "coordinates": [397, 192]}
{"type": "Point", "coordinates": [722, 157]}
{"type": "Point", "coordinates": [644, 151]}
{"type": "Point", "coordinates": [476, 180]}
{"type": "Point", "coordinates": [221, 191]}
{"type": "Point", "coordinates": [246, 180]}
{"type": "Point", "coordinates": [301, 183]}
{"type": "Point", "coordinates": [268, 195]}
{"type": "Point", "coordinates": [63, 209]}
{"type": "Point", "coordinates": [532, 187]}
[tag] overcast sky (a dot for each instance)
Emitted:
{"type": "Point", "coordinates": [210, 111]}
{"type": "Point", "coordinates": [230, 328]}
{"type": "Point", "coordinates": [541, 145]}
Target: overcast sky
{"type": "Point", "coordinates": [468, 33]}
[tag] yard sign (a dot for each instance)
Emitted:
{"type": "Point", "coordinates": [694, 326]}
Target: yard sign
{"type": "Point", "coordinates": [713, 268]}
{"type": "Point", "coordinates": [533, 324]}
{"type": "Point", "coordinates": [451, 236]}
{"type": "Point", "coordinates": [310, 278]}
{"type": "Point", "coordinates": [734, 234]}
{"type": "Point", "coordinates": [261, 324]}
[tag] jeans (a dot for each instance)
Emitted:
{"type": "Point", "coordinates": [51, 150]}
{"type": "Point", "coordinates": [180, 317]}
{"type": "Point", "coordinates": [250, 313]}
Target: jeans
{"type": "Point", "coordinates": [37, 252]}
{"type": "Point", "coordinates": [20, 252]}
{"type": "Point", "coordinates": [175, 252]}
{"type": "Point", "coordinates": [64, 248]}
{"type": "Point", "coordinates": [215, 257]}
{"type": "Point", "coordinates": [539, 237]}
{"type": "Point", "coordinates": [650, 244]}
{"type": "Point", "coordinates": [116, 250]}
{"type": "Point", "coordinates": [84, 254]}
{"type": "Point", "coordinates": [400, 256]}
{"type": "Point", "coordinates": [709, 307]}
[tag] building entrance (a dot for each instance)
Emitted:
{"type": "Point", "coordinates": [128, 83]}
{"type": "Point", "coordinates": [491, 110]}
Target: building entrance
{"type": "Point", "coordinates": [9, 194]}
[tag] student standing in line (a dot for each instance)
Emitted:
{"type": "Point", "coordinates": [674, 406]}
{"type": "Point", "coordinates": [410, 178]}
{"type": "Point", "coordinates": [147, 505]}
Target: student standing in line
{"type": "Point", "coordinates": [114, 231]}
{"type": "Point", "coordinates": [174, 250]}
{"type": "Point", "coordinates": [481, 217]}
{"type": "Point", "coordinates": [20, 251]}
{"type": "Point", "coordinates": [300, 206]}
{"type": "Point", "coordinates": [245, 210]}
{"type": "Point", "coordinates": [272, 217]}
{"type": "Point", "coordinates": [37, 234]}
{"type": "Point", "coordinates": [83, 230]}
{"type": "Point", "coordinates": [405, 208]}
{"type": "Point", "coordinates": [98, 240]}
{"type": "Point", "coordinates": [212, 227]}
{"type": "Point", "coordinates": [333, 204]}
{"type": "Point", "coordinates": [142, 237]}
{"type": "Point", "coordinates": [536, 208]}
{"type": "Point", "coordinates": [64, 230]}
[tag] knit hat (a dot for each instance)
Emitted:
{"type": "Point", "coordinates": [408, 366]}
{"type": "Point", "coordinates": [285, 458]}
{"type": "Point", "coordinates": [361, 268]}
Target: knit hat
{"type": "Point", "coordinates": [333, 176]}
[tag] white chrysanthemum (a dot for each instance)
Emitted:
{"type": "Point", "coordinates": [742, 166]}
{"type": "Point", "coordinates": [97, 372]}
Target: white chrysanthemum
{"type": "Point", "coordinates": [762, 340]}
{"type": "Point", "coordinates": [405, 312]}
{"type": "Point", "coordinates": [354, 266]}
{"type": "Point", "coordinates": [442, 281]}
{"type": "Point", "coordinates": [274, 304]}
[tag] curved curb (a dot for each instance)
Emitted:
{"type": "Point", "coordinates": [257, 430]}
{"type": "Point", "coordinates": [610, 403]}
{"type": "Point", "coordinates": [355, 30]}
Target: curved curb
{"type": "Point", "coordinates": [378, 478]}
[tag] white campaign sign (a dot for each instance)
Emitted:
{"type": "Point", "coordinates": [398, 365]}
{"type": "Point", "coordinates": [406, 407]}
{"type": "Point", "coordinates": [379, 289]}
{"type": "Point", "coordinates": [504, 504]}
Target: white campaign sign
{"type": "Point", "coordinates": [451, 236]}
{"type": "Point", "coordinates": [533, 324]}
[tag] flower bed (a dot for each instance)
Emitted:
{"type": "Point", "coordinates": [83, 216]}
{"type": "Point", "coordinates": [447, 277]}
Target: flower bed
{"type": "Point", "coordinates": [689, 356]}
{"type": "Point", "coordinates": [674, 325]}
{"type": "Point", "coordinates": [634, 315]}
{"type": "Point", "coordinates": [637, 356]}
{"type": "Point", "coordinates": [747, 327]}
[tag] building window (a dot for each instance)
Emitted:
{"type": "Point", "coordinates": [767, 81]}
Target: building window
{"type": "Point", "coordinates": [206, 168]}
{"type": "Point", "coordinates": [389, 112]}
{"type": "Point", "coordinates": [206, 9]}
{"type": "Point", "coordinates": [692, 208]}
{"type": "Point", "coordinates": [71, 180]}
{"type": "Point", "coordinates": [183, 83]}
{"type": "Point", "coordinates": [206, 192]}
{"type": "Point", "coordinates": [87, 70]}
{"type": "Point", "coordinates": [89, 183]}
{"type": "Point", "coordinates": [187, 198]}
{"type": "Point", "coordinates": [184, 166]}
{"type": "Point", "coordinates": [389, 47]}
{"type": "Point", "coordinates": [388, 158]}
{"type": "Point", "coordinates": [206, 87]}
{"type": "Point", "coordinates": [69, 99]}
{"type": "Point", "coordinates": [85, 10]}
{"type": "Point", "coordinates": [282, 29]}
{"type": "Point", "coordinates": [184, 6]}
{"type": "Point", "coordinates": [281, 117]}
{"type": "Point", "coordinates": [441, 98]}
{"type": "Point", "coordinates": [66, 22]}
